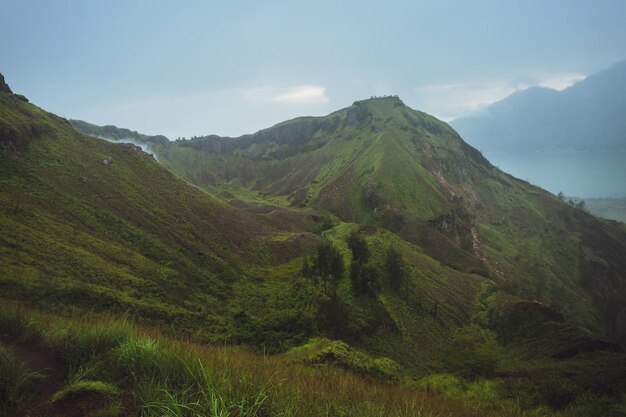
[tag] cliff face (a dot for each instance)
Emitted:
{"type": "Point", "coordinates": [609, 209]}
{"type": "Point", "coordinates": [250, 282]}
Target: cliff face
{"type": "Point", "coordinates": [4, 87]}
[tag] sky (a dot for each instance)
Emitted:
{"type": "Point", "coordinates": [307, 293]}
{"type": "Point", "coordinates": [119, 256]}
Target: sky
{"type": "Point", "coordinates": [187, 68]}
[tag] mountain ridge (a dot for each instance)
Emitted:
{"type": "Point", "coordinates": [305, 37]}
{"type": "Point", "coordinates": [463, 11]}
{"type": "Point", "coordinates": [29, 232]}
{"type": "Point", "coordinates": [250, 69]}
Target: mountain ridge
{"type": "Point", "coordinates": [453, 271]}
{"type": "Point", "coordinates": [584, 116]}
{"type": "Point", "coordinates": [379, 162]}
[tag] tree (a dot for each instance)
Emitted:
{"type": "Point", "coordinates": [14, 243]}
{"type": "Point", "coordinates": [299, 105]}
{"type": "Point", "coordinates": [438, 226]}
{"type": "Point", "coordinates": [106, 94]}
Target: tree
{"type": "Point", "coordinates": [359, 249]}
{"type": "Point", "coordinates": [306, 269]}
{"type": "Point", "coordinates": [328, 266]}
{"type": "Point", "coordinates": [394, 265]}
{"type": "Point", "coordinates": [369, 279]}
{"type": "Point", "coordinates": [363, 277]}
{"type": "Point", "coordinates": [355, 276]}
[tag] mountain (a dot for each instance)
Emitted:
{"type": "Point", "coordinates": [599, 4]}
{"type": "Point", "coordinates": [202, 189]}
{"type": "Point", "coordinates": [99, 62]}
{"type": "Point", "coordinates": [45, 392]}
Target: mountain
{"type": "Point", "coordinates": [468, 270]}
{"type": "Point", "coordinates": [4, 87]}
{"type": "Point", "coordinates": [585, 116]}
{"type": "Point", "coordinates": [95, 225]}
{"type": "Point", "coordinates": [381, 163]}
{"type": "Point", "coordinates": [115, 134]}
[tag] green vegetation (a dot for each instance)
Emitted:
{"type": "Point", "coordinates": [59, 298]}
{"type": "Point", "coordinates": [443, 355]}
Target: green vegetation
{"type": "Point", "coordinates": [363, 276]}
{"type": "Point", "coordinates": [138, 371]}
{"type": "Point", "coordinates": [467, 288]}
{"type": "Point", "coordinates": [167, 377]}
{"type": "Point", "coordinates": [326, 266]}
{"type": "Point", "coordinates": [338, 353]}
{"type": "Point", "coordinates": [381, 163]}
{"type": "Point", "coordinates": [16, 382]}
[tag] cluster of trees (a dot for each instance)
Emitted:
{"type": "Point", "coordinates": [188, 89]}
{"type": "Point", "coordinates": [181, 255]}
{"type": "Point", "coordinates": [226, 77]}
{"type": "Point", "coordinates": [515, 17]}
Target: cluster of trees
{"type": "Point", "coordinates": [327, 267]}
{"type": "Point", "coordinates": [363, 276]}
{"type": "Point", "coordinates": [389, 96]}
{"type": "Point", "coordinates": [578, 204]}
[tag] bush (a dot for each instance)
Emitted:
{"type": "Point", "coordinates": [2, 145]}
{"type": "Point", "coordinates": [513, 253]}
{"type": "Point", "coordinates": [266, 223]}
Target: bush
{"type": "Point", "coordinates": [80, 343]}
{"type": "Point", "coordinates": [338, 353]}
{"type": "Point", "coordinates": [16, 382]}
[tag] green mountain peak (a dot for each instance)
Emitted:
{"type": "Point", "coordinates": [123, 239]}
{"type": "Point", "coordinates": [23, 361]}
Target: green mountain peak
{"type": "Point", "coordinates": [376, 101]}
{"type": "Point", "coordinates": [383, 164]}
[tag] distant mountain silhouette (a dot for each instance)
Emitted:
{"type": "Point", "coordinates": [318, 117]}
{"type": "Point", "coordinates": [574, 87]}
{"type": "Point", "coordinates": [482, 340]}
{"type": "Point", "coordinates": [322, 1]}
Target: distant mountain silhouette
{"type": "Point", "coordinates": [589, 115]}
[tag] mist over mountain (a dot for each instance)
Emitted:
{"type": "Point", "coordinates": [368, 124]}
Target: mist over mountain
{"type": "Point", "coordinates": [587, 116]}
{"type": "Point", "coordinates": [571, 141]}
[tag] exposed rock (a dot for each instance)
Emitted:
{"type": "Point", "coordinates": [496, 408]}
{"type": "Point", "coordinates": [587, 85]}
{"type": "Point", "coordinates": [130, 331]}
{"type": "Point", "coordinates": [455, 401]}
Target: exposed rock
{"type": "Point", "coordinates": [444, 223]}
{"type": "Point", "coordinates": [299, 197]}
{"type": "Point", "coordinates": [4, 87]}
{"type": "Point", "coordinates": [137, 149]}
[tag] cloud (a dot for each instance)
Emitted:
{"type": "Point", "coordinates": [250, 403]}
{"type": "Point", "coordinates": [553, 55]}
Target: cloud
{"type": "Point", "coordinates": [231, 112]}
{"type": "Point", "coordinates": [451, 101]}
{"type": "Point", "coordinates": [561, 81]}
{"type": "Point", "coordinates": [302, 94]}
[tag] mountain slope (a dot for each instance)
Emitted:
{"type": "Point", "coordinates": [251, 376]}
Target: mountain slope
{"type": "Point", "coordinates": [97, 225]}
{"type": "Point", "coordinates": [379, 162]}
{"type": "Point", "coordinates": [470, 271]}
{"type": "Point", "coordinates": [103, 226]}
{"type": "Point", "coordinates": [586, 116]}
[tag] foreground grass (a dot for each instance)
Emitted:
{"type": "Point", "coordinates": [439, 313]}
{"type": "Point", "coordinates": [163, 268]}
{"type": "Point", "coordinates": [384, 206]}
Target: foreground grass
{"type": "Point", "coordinates": [122, 369]}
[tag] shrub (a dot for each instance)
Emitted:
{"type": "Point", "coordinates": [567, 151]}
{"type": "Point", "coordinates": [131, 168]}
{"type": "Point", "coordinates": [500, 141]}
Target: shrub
{"type": "Point", "coordinates": [16, 382]}
{"type": "Point", "coordinates": [338, 353]}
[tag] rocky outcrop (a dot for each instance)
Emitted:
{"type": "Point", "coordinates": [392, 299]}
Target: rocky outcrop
{"type": "Point", "coordinates": [4, 87]}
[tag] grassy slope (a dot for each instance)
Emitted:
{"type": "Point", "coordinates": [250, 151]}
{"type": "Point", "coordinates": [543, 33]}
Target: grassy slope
{"type": "Point", "coordinates": [106, 366]}
{"type": "Point", "coordinates": [379, 162]}
{"type": "Point", "coordinates": [97, 365]}
{"type": "Point", "coordinates": [129, 236]}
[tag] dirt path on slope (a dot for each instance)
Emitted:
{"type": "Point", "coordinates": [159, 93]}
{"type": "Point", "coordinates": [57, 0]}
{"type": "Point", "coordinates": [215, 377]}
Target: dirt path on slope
{"type": "Point", "coordinates": [53, 372]}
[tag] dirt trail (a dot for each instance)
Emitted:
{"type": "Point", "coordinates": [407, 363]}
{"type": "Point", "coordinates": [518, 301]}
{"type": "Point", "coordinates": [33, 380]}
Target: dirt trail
{"type": "Point", "coordinates": [53, 371]}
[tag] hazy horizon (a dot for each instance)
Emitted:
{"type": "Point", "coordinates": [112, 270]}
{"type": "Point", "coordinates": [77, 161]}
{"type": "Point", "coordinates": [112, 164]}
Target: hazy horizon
{"type": "Point", "coordinates": [229, 69]}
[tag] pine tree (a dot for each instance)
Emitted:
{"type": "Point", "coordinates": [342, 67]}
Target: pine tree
{"type": "Point", "coordinates": [328, 266]}
{"type": "Point", "coordinates": [394, 265]}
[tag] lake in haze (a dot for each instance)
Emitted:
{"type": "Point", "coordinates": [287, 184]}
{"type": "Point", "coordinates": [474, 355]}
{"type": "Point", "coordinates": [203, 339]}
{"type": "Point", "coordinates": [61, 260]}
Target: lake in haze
{"type": "Point", "coordinates": [580, 174]}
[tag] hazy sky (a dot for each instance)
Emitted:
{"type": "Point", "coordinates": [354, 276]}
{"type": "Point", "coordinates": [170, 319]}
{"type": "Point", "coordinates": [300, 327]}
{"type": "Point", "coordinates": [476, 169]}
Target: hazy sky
{"type": "Point", "coordinates": [184, 68]}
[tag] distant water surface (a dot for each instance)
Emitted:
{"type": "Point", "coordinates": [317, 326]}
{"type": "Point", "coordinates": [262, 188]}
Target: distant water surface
{"type": "Point", "coordinates": [576, 173]}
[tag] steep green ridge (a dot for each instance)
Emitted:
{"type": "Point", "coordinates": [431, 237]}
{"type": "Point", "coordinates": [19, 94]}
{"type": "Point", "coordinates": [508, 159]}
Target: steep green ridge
{"type": "Point", "coordinates": [115, 134]}
{"type": "Point", "coordinates": [379, 162]}
{"type": "Point", "coordinates": [102, 226]}
{"type": "Point", "coordinates": [97, 225]}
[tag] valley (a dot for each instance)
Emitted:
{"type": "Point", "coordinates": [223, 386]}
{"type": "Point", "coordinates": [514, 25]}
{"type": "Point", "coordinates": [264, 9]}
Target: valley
{"type": "Point", "coordinates": [479, 293]}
